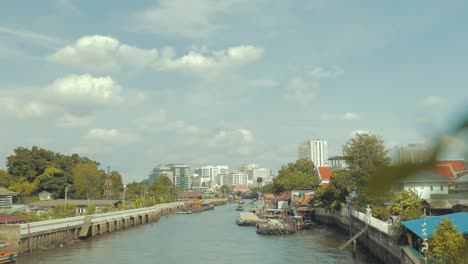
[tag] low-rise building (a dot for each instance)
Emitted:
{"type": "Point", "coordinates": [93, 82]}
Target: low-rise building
{"type": "Point", "coordinates": [44, 196]}
{"type": "Point", "coordinates": [6, 197]}
{"type": "Point", "coordinates": [324, 174]}
{"type": "Point", "coordinates": [425, 183]}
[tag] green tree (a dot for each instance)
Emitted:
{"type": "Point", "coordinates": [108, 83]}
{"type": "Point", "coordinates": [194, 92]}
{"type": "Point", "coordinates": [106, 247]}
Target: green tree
{"type": "Point", "coordinates": [334, 193]}
{"type": "Point", "coordinates": [86, 181]}
{"type": "Point", "coordinates": [52, 180]}
{"type": "Point", "coordinates": [408, 205]}
{"type": "Point", "coordinates": [133, 190]}
{"type": "Point", "coordinates": [364, 154]}
{"type": "Point", "coordinates": [29, 163]}
{"type": "Point", "coordinates": [163, 190]}
{"type": "Point", "coordinates": [5, 179]}
{"type": "Point", "coordinates": [447, 244]}
{"type": "Point", "coordinates": [23, 187]}
{"type": "Point", "coordinates": [117, 185]}
{"type": "Point", "coordinates": [300, 174]}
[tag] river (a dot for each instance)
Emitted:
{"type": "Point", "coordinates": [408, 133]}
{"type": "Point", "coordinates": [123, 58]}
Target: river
{"type": "Point", "coordinates": [207, 238]}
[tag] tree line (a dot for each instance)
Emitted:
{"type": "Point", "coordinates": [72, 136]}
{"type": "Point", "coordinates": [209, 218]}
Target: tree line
{"type": "Point", "coordinates": [33, 170]}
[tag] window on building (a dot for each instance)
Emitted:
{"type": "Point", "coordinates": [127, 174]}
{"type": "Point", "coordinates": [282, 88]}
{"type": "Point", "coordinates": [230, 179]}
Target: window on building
{"type": "Point", "coordinates": [432, 188]}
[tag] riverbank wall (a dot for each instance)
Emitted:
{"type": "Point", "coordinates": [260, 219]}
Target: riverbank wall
{"type": "Point", "coordinates": [30, 237]}
{"type": "Point", "coordinates": [378, 237]}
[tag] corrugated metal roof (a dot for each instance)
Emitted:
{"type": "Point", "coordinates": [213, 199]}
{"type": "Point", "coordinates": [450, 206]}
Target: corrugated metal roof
{"type": "Point", "coordinates": [426, 176]}
{"type": "Point", "coordinates": [460, 220]}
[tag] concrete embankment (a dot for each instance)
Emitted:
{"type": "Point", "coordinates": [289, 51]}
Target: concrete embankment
{"type": "Point", "coordinates": [27, 238]}
{"type": "Point", "coordinates": [377, 237]}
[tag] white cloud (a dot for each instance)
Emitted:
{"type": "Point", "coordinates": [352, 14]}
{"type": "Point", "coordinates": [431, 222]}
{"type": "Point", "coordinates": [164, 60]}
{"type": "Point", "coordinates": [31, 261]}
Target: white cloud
{"type": "Point", "coordinates": [213, 63]}
{"type": "Point", "coordinates": [31, 36]}
{"type": "Point", "coordinates": [72, 121]}
{"type": "Point", "coordinates": [356, 132]}
{"type": "Point", "coordinates": [160, 122]}
{"type": "Point", "coordinates": [102, 53]}
{"type": "Point", "coordinates": [320, 72]}
{"type": "Point", "coordinates": [100, 135]}
{"type": "Point", "coordinates": [432, 101]}
{"type": "Point", "coordinates": [240, 140]}
{"type": "Point", "coordinates": [84, 90]}
{"type": "Point", "coordinates": [301, 91]}
{"type": "Point", "coordinates": [190, 19]}
{"type": "Point", "coordinates": [10, 106]}
{"type": "Point", "coordinates": [351, 116]}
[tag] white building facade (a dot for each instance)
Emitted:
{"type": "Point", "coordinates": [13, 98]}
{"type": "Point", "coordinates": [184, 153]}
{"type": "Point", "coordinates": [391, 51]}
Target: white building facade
{"type": "Point", "coordinates": [426, 183]}
{"type": "Point", "coordinates": [314, 150]}
{"type": "Point", "coordinates": [235, 178]}
{"type": "Point", "coordinates": [258, 173]}
{"type": "Point", "coordinates": [212, 171]}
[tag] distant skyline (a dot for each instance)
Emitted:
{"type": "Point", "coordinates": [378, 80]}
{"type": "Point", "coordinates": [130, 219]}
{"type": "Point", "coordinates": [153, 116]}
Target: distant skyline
{"type": "Point", "coordinates": [137, 84]}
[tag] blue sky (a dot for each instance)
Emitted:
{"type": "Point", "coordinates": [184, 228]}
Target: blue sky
{"type": "Point", "coordinates": [206, 82]}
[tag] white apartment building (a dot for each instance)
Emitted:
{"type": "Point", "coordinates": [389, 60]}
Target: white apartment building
{"type": "Point", "coordinates": [200, 182]}
{"type": "Point", "coordinates": [314, 150]}
{"type": "Point", "coordinates": [235, 178]}
{"type": "Point", "coordinates": [259, 172]}
{"type": "Point", "coordinates": [212, 171]}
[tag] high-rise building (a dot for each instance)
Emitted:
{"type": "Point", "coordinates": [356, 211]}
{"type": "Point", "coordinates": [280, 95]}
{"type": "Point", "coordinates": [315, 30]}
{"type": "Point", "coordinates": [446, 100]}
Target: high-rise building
{"type": "Point", "coordinates": [212, 171]}
{"type": "Point", "coordinates": [413, 153]}
{"type": "Point", "coordinates": [314, 150]}
{"type": "Point", "coordinates": [179, 174]}
{"type": "Point", "coordinates": [158, 171]}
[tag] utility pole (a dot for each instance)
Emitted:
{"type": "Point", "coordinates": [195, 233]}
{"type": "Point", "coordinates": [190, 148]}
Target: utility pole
{"type": "Point", "coordinates": [66, 192]}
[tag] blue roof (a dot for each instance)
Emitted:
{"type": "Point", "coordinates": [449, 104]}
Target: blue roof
{"type": "Point", "coordinates": [460, 220]}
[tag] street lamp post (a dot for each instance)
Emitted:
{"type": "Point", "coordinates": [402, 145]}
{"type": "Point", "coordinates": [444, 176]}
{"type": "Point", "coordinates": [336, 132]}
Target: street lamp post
{"type": "Point", "coordinates": [66, 192]}
{"type": "Point", "coordinates": [123, 195]}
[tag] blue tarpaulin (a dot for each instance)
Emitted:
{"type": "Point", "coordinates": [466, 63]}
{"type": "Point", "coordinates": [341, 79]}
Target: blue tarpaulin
{"type": "Point", "coordinates": [460, 220]}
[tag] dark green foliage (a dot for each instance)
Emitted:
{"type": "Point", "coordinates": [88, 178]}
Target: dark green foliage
{"type": "Point", "coordinates": [300, 174]}
{"type": "Point", "coordinates": [5, 179]}
{"type": "Point", "coordinates": [52, 180]}
{"type": "Point", "coordinates": [31, 171]}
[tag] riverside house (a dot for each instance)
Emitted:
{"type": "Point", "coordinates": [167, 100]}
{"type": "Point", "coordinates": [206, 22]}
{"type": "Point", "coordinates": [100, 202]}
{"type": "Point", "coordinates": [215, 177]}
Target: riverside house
{"type": "Point", "coordinates": [6, 198]}
{"type": "Point", "coordinates": [426, 183]}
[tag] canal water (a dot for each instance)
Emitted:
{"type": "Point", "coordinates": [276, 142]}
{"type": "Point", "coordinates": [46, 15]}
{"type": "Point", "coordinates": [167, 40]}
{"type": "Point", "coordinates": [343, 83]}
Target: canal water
{"type": "Point", "coordinates": [207, 238]}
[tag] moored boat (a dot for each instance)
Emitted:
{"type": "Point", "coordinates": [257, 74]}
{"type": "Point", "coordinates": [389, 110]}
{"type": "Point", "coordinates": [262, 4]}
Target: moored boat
{"type": "Point", "coordinates": [247, 219]}
{"type": "Point", "coordinates": [275, 227]}
{"type": "Point", "coordinates": [239, 207]}
{"type": "Point", "coordinates": [184, 212]}
{"type": "Point", "coordinates": [7, 257]}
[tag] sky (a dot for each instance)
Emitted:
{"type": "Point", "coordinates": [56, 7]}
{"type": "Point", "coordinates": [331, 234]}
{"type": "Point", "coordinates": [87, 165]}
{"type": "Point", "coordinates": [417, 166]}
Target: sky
{"type": "Point", "coordinates": [134, 84]}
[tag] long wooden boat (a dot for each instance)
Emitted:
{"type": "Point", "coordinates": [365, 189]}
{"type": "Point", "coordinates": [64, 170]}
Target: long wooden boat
{"type": "Point", "coordinates": [7, 257]}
